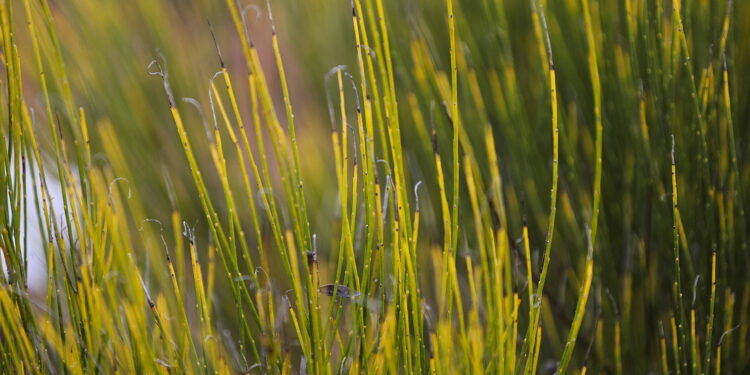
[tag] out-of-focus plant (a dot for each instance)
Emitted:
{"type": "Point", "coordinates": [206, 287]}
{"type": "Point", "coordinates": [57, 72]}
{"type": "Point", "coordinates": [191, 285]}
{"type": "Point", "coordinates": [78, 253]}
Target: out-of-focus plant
{"type": "Point", "coordinates": [375, 186]}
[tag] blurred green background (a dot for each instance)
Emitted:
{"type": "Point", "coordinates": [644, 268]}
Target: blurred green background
{"type": "Point", "coordinates": [108, 45]}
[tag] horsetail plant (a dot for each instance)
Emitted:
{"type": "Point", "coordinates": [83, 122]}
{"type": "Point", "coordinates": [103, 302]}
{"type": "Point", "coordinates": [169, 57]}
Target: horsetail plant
{"type": "Point", "coordinates": [450, 197]}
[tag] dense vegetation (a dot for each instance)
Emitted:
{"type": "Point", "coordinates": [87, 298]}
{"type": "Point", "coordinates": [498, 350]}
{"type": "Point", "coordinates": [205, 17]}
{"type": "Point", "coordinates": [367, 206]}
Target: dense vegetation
{"type": "Point", "coordinates": [316, 186]}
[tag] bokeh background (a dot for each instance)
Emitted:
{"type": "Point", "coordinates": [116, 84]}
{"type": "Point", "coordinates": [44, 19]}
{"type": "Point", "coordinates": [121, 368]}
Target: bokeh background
{"type": "Point", "coordinates": [109, 44]}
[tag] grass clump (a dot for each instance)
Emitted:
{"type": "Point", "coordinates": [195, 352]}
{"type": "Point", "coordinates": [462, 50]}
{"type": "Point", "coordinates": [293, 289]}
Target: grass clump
{"type": "Point", "coordinates": [484, 187]}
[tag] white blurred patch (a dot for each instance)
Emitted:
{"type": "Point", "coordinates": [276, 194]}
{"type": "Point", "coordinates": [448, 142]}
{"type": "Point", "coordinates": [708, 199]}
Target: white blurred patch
{"type": "Point", "coordinates": [34, 241]}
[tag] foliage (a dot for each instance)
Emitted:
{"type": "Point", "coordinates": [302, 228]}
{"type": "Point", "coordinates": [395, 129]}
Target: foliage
{"type": "Point", "coordinates": [486, 186]}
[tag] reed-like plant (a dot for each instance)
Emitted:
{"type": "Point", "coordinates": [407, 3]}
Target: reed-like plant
{"type": "Point", "coordinates": [479, 186]}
